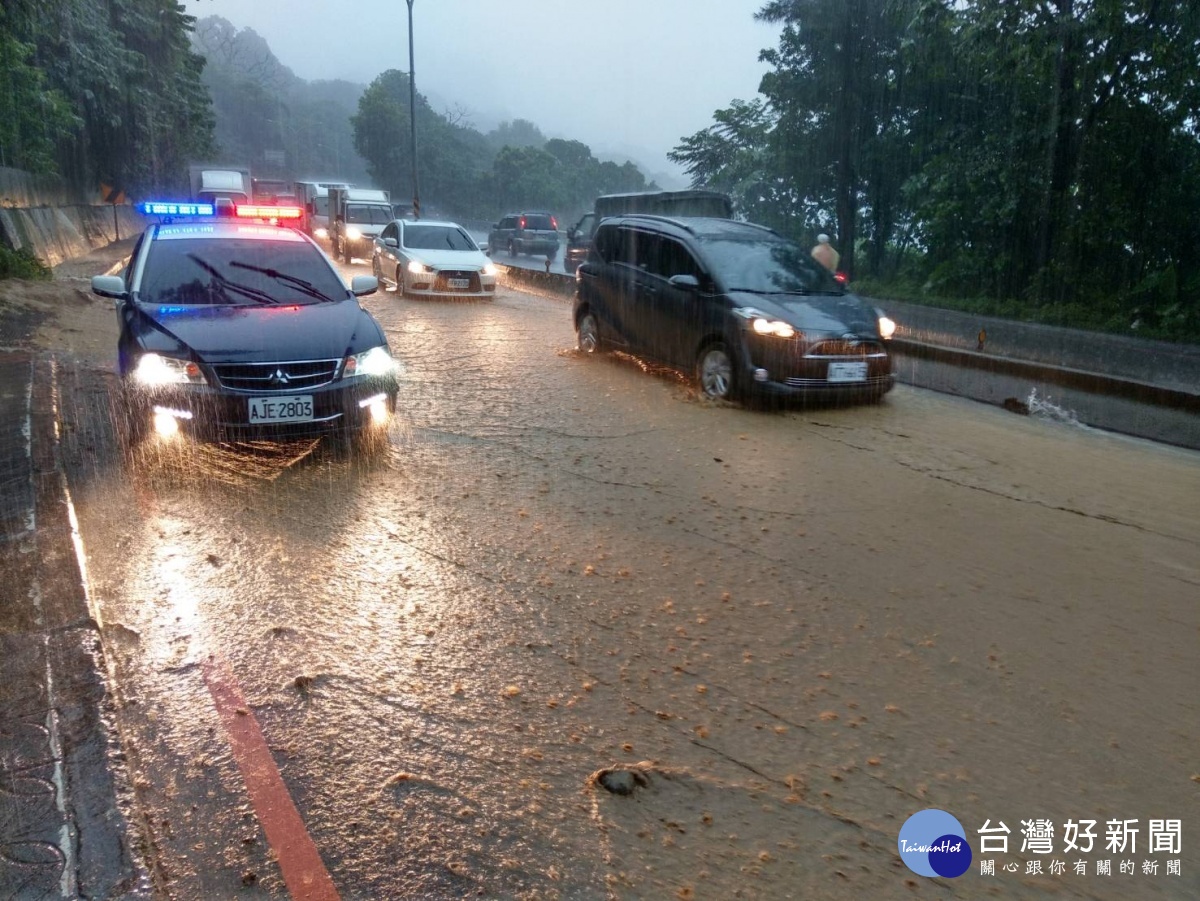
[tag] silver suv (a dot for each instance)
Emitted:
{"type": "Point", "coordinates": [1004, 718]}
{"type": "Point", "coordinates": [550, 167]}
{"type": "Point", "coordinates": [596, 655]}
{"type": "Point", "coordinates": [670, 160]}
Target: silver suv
{"type": "Point", "coordinates": [518, 233]}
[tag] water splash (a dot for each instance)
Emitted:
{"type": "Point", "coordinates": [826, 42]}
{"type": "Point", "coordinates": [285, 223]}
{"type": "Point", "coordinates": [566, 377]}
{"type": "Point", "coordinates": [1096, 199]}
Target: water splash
{"type": "Point", "coordinates": [1047, 409]}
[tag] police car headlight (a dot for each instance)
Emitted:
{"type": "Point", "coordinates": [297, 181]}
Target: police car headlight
{"type": "Point", "coordinates": [155, 370]}
{"type": "Point", "coordinates": [374, 362]}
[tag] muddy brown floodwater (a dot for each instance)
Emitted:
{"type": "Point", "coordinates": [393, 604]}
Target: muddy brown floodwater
{"type": "Point", "coordinates": [786, 632]}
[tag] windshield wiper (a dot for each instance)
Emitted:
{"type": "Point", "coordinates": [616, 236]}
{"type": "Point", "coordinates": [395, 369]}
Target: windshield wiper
{"type": "Point", "coordinates": [245, 290]}
{"type": "Point", "coordinates": [799, 292]}
{"type": "Point", "coordinates": [305, 286]}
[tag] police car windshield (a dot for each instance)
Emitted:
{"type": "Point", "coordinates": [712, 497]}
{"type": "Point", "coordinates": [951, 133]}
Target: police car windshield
{"type": "Point", "coordinates": [228, 272]}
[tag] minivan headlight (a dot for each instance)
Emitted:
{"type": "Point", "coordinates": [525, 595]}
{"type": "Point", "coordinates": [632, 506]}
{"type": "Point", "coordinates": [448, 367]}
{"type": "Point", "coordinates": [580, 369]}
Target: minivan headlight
{"type": "Point", "coordinates": [353, 233]}
{"type": "Point", "coordinates": [774, 327]}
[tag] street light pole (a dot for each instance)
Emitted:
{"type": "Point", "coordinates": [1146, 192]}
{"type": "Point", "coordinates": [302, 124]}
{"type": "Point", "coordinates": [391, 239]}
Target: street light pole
{"type": "Point", "coordinates": [412, 109]}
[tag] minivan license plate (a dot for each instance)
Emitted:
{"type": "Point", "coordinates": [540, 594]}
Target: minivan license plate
{"type": "Point", "coordinates": [847, 372]}
{"type": "Point", "coordinates": [294, 408]}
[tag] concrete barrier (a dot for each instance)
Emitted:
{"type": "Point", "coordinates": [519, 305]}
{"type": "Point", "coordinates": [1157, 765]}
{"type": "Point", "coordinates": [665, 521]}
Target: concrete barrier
{"type": "Point", "coordinates": [55, 234]}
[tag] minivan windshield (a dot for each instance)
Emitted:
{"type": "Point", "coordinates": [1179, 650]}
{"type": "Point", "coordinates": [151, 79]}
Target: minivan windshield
{"type": "Point", "coordinates": [767, 266]}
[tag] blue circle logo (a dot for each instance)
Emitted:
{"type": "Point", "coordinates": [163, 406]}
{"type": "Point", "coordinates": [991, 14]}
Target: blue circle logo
{"type": "Point", "coordinates": [933, 843]}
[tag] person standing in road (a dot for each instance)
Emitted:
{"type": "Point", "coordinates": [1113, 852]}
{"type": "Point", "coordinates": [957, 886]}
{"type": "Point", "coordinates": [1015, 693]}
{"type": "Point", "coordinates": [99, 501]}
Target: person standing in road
{"type": "Point", "coordinates": [824, 253]}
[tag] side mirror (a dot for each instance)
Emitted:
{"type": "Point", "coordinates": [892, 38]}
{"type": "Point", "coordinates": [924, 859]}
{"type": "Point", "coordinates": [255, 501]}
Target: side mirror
{"type": "Point", "coordinates": [391, 242]}
{"type": "Point", "coordinates": [110, 286]}
{"type": "Point", "coordinates": [362, 285]}
{"type": "Point", "coordinates": [571, 232]}
{"type": "Point", "coordinates": [687, 282]}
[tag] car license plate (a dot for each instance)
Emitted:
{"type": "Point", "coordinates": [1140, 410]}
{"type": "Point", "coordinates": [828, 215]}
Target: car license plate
{"type": "Point", "coordinates": [294, 408]}
{"type": "Point", "coordinates": [847, 372]}
{"type": "Point", "coordinates": [461, 283]}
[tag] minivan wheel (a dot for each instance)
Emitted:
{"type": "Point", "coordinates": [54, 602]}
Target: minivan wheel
{"type": "Point", "coordinates": [715, 372]}
{"type": "Point", "coordinates": [589, 334]}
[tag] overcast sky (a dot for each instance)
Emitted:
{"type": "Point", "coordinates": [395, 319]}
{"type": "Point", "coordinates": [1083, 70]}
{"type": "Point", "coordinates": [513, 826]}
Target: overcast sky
{"type": "Point", "coordinates": [623, 76]}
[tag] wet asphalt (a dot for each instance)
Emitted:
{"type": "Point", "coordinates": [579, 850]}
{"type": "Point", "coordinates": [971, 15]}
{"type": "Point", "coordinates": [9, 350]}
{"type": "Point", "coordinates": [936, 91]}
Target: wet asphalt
{"type": "Point", "coordinates": [796, 628]}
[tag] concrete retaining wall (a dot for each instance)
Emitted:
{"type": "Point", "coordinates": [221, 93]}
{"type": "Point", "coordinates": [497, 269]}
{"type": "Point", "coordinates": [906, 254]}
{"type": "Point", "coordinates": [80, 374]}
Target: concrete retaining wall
{"type": "Point", "coordinates": [54, 234]}
{"type": "Point", "coordinates": [39, 214]}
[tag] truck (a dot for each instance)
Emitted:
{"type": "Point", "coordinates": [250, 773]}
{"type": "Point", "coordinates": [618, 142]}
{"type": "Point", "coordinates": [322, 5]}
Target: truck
{"type": "Point", "coordinates": [313, 196]}
{"type": "Point", "coordinates": [357, 216]}
{"type": "Point", "coordinates": [214, 183]}
{"type": "Point", "coordinates": [659, 203]}
{"type": "Point", "coordinates": [273, 191]}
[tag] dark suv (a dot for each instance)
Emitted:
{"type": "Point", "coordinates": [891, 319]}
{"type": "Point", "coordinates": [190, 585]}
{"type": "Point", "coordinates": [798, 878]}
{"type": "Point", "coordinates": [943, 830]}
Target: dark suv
{"type": "Point", "coordinates": [518, 233]}
{"type": "Point", "coordinates": [739, 306]}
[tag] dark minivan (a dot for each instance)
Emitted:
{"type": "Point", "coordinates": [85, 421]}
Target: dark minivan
{"type": "Point", "coordinates": [518, 233]}
{"type": "Point", "coordinates": [745, 310]}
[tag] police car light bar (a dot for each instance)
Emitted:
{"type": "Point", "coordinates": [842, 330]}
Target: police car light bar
{"type": "Point", "coordinates": [269, 212]}
{"type": "Point", "coordinates": [170, 208]}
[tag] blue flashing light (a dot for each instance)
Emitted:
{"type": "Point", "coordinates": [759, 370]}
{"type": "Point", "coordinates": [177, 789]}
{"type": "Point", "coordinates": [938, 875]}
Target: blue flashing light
{"type": "Point", "coordinates": [171, 208]}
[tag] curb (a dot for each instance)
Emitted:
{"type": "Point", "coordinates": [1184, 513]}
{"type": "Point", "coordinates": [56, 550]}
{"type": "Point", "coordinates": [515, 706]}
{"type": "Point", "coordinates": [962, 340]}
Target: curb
{"type": "Point", "coordinates": [65, 827]}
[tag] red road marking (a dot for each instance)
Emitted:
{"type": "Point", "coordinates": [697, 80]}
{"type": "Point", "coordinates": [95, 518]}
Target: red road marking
{"type": "Point", "coordinates": [303, 870]}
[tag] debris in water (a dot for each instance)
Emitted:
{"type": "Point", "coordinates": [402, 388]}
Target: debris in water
{"type": "Point", "coordinates": [619, 780]}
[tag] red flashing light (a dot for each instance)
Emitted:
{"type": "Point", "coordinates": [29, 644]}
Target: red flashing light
{"type": "Point", "coordinates": [269, 212]}
{"type": "Point", "coordinates": [522, 222]}
{"type": "Point", "coordinates": [841, 277]}
{"type": "Point", "coordinates": [554, 223]}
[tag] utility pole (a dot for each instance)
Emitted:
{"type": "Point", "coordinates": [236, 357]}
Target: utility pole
{"type": "Point", "coordinates": [412, 109]}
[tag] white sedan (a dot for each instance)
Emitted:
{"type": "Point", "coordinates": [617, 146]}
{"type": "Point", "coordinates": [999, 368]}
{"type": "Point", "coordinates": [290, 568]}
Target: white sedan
{"type": "Point", "coordinates": [422, 258]}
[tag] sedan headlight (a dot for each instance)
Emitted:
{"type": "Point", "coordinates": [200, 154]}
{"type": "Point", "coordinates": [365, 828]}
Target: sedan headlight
{"type": "Point", "coordinates": [376, 361]}
{"type": "Point", "coordinates": [491, 269]}
{"type": "Point", "coordinates": [353, 233]}
{"type": "Point", "coordinates": [321, 232]}
{"type": "Point", "coordinates": [416, 267]}
{"type": "Point", "coordinates": [887, 327]}
{"type": "Point", "coordinates": [155, 371]}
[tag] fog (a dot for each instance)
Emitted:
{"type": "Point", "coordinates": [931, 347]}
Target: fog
{"type": "Point", "coordinates": [626, 77]}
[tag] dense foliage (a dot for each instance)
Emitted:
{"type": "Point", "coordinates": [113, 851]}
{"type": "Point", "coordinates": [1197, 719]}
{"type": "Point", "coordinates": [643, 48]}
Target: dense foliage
{"type": "Point", "coordinates": [467, 173]}
{"type": "Point", "coordinates": [1043, 157]}
{"type": "Point", "coordinates": [23, 263]}
{"type": "Point", "coordinates": [101, 92]}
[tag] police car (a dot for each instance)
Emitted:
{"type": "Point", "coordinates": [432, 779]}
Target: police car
{"type": "Point", "coordinates": [233, 325]}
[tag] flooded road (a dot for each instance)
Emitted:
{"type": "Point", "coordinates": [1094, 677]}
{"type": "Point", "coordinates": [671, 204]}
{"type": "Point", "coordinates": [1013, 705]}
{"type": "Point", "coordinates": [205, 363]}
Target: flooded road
{"type": "Point", "coordinates": [792, 630]}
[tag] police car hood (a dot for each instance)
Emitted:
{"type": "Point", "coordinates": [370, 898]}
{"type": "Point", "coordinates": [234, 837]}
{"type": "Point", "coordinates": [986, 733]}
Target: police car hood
{"type": "Point", "coordinates": [836, 314]}
{"type": "Point", "coordinates": [265, 333]}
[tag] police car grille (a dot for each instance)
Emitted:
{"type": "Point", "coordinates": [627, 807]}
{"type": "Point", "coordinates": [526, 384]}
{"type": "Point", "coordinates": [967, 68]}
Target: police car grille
{"type": "Point", "coordinates": [282, 377]}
